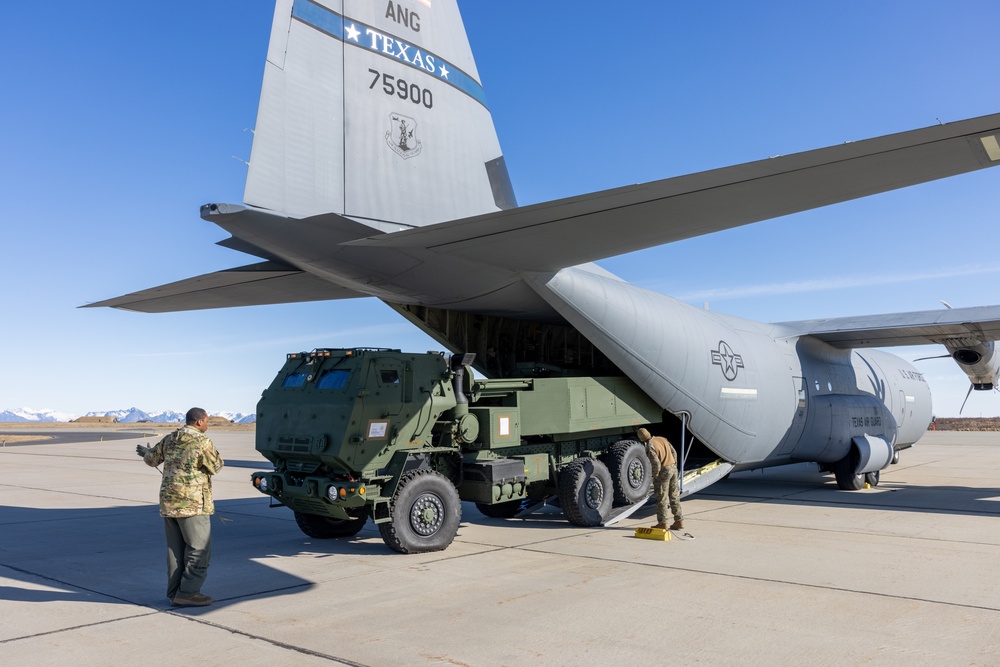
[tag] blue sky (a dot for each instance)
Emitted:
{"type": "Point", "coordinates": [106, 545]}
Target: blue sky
{"type": "Point", "coordinates": [120, 119]}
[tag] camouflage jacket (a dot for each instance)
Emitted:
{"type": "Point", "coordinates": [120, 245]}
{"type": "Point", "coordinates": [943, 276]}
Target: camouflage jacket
{"type": "Point", "coordinates": [189, 460]}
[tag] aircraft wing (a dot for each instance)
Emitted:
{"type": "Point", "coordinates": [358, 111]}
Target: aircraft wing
{"type": "Point", "coordinates": [253, 285]}
{"type": "Point", "coordinates": [976, 325]}
{"type": "Point", "coordinates": [553, 235]}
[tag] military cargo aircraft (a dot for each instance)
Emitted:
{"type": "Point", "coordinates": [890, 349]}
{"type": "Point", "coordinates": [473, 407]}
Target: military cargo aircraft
{"type": "Point", "coordinates": [364, 98]}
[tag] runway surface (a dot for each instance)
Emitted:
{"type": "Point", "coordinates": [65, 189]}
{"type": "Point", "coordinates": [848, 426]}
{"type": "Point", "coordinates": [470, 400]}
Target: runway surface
{"type": "Point", "coordinates": [66, 436]}
{"type": "Point", "coordinates": [781, 568]}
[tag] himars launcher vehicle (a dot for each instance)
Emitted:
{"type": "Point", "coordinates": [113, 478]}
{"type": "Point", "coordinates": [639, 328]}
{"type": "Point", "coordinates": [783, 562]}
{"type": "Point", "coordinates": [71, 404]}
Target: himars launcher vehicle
{"type": "Point", "coordinates": [364, 98]}
{"type": "Point", "coordinates": [401, 437]}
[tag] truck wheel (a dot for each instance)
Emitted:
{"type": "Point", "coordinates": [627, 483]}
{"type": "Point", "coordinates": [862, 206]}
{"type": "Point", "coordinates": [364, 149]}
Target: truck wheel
{"type": "Point", "coordinates": [586, 492]}
{"type": "Point", "coordinates": [323, 527]}
{"type": "Point", "coordinates": [505, 510]}
{"type": "Point", "coordinates": [630, 471]}
{"type": "Point", "coordinates": [425, 513]}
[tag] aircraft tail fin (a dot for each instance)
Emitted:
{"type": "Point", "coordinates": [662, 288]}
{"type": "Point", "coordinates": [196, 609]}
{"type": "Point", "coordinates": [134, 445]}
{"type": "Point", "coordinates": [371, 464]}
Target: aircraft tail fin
{"type": "Point", "coordinates": [374, 111]}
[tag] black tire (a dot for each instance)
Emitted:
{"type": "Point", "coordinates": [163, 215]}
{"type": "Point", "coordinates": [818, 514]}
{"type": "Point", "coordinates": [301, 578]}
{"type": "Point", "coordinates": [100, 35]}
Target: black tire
{"type": "Point", "coordinates": [425, 513]}
{"type": "Point", "coordinates": [323, 527]}
{"type": "Point", "coordinates": [895, 456]}
{"type": "Point", "coordinates": [847, 478]}
{"type": "Point", "coordinates": [872, 478]}
{"type": "Point", "coordinates": [631, 472]}
{"type": "Point", "coordinates": [501, 510]}
{"type": "Point", "coordinates": [586, 492]}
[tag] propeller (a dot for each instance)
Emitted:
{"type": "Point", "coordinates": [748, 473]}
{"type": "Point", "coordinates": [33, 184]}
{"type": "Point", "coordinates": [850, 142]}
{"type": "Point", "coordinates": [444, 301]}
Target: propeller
{"type": "Point", "coordinates": [940, 356]}
{"type": "Point", "coordinates": [967, 394]}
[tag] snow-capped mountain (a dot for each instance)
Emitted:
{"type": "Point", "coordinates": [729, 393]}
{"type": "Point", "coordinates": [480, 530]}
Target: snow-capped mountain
{"type": "Point", "coordinates": [237, 417]}
{"type": "Point", "coordinates": [136, 415]}
{"type": "Point", "coordinates": [32, 415]}
{"type": "Point", "coordinates": [130, 415]}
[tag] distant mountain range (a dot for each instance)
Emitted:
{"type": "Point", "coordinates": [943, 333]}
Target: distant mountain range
{"type": "Point", "coordinates": [130, 415]}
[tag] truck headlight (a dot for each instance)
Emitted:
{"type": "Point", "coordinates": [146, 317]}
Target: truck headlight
{"type": "Point", "coordinates": [331, 494]}
{"type": "Point", "coordinates": [263, 484]}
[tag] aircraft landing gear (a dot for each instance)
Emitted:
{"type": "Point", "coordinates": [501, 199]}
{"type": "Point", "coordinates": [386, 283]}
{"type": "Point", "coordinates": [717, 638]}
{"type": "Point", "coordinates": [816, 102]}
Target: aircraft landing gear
{"type": "Point", "coordinates": [847, 478]}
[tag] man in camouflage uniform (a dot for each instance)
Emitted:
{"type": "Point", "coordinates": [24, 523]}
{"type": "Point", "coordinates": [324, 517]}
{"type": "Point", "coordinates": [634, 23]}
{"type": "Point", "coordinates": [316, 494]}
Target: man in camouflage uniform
{"type": "Point", "coordinates": [663, 459]}
{"type": "Point", "coordinates": [189, 460]}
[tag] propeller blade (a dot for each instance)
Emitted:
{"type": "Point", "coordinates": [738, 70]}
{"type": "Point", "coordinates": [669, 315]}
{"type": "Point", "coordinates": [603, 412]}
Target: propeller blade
{"type": "Point", "coordinates": [966, 399]}
{"type": "Point", "coordinates": [940, 356]}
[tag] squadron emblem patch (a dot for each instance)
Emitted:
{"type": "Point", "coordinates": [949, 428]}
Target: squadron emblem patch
{"type": "Point", "coordinates": [401, 136]}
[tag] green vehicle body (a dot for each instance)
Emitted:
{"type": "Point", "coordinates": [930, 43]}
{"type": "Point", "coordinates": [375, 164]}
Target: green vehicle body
{"type": "Point", "coordinates": [400, 437]}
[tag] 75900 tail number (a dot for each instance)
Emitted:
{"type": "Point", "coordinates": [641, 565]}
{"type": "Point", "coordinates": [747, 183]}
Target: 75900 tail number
{"type": "Point", "coordinates": [402, 89]}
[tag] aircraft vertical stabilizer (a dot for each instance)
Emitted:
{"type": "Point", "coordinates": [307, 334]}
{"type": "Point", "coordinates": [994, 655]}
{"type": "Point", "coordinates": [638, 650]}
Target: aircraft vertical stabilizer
{"type": "Point", "coordinates": [374, 111]}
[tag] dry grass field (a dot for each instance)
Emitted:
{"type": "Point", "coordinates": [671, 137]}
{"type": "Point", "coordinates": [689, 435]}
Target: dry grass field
{"type": "Point", "coordinates": [966, 424]}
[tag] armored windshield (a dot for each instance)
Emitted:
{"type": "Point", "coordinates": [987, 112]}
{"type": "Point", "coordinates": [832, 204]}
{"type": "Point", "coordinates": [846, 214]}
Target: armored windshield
{"type": "Point", "coordinates": [336, 379]}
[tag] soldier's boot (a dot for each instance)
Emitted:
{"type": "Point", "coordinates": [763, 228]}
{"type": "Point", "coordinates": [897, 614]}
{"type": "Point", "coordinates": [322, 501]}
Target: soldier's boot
{"type": "Point", "coordinates": [661, 526]}
{"type": "Point", "coordinates": [677, 525]}
{"type": "Point", "coordinates": [194, 600]}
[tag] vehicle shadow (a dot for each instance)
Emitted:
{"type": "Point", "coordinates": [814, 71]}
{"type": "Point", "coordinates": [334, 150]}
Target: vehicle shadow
{"type": "Point", "coordinates": [118, 554]}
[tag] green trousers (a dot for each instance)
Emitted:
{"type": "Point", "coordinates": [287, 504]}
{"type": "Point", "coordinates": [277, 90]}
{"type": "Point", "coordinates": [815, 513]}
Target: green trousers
{"type": "Point", "coordinates": [189, 548]}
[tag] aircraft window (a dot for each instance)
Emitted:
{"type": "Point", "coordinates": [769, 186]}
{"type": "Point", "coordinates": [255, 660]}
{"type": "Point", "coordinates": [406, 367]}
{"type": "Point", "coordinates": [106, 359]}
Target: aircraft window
{"type": "Point", "coordinates": [294, 380]}
{"type": "Point", "coordinates": [817, 385]}
{"type": "Point", "coordinates": [333, 380]}
{"type": "Point", "coordinates": [829, 386]}
{"type": "Point", "coordinates": [389, 377]}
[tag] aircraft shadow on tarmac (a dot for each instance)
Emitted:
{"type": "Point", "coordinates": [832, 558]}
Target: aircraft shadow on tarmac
{"type": "Point", "coordinates": [802, 485]}
{"type": "Point", "coordinates": [116, 554]}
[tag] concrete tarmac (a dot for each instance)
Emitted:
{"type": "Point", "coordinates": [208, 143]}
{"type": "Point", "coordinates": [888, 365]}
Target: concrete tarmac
{"type": "Point", "coordinates": [776, 567]}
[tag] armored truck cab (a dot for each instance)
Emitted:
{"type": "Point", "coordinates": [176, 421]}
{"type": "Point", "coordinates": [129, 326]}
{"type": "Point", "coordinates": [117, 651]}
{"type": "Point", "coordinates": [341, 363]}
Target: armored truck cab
{"type": "Point", "coordinates": [402, 438]}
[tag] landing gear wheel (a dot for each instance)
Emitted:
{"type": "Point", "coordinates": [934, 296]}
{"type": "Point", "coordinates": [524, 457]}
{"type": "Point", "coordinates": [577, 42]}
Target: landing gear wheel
{"type": "Point", "coordinates": [501, 510]}
{"type": "Point", "coordinates": [895, 456]}
{"type": "Point", "coordinates": [586, 492]}
{"type": "Point", "coordinates": [425, 513]}
{"type": "Point", "coordinates": [871, 478]}
{"type": "Point", "coordinates": [323, 527]}
{"type": "Point", "coordinates": [847, 478]}
{"type": "Point", "coordinates": [630, 470]}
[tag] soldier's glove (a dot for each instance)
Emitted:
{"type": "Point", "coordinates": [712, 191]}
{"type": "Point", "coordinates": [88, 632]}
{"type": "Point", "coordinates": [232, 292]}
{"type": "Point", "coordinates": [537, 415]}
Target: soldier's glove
{"type": "Point", "coordinates": [141, 450]}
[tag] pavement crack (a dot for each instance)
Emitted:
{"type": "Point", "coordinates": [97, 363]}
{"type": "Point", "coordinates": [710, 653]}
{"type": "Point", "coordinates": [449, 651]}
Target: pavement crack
{"type": "Point", "coordinates": [78, 627]}
{"type": "Point", "coordinates": [785, 582]}
{"type": "Point", "coordinates": [268, 640]}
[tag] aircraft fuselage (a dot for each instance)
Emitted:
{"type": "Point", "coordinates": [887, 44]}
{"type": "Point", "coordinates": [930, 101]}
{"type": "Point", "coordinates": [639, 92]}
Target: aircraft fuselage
{"type": "Point", "coordinates": [750, 393]}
